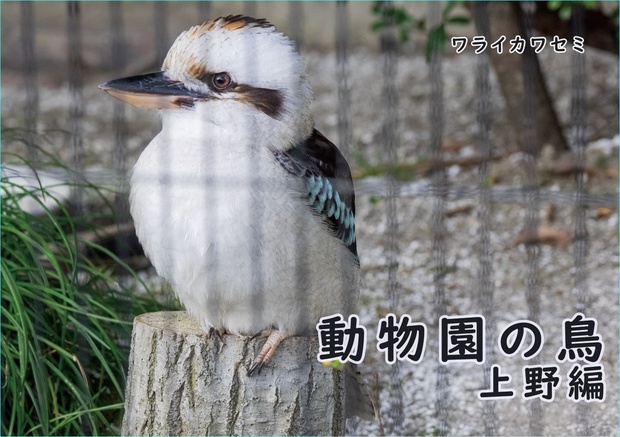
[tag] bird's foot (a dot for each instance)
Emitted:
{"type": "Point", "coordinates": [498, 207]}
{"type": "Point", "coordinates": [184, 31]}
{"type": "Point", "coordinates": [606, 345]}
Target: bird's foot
{"type": "Point", "coordinates": [274, 338]}
{"type": "Point", "coordinates": [219, 332]}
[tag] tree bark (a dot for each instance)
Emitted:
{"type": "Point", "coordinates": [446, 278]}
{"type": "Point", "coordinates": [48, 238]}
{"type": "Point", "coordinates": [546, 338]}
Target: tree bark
{"type": "Point", "coordinates": [601, 30]}
{"type": "Point", "coordinates": [504, 19]}
{"type": "Point", "coordinates": [181, 381]}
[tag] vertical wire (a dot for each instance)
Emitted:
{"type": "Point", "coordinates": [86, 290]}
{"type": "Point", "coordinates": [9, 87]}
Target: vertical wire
{"type": "Point", "coordinates": [249, 8]}
{"type": "Point", "coordinates": [204, 9]}
{"type": "Point", "coordinates": [302, 263]}
{"type": "Point", "coordinates": [389, 45]}
{"type": "Point", "coordinates": [341, 31]}
{"type": "Point", "coordinates": [485, 270]}
{"type": "Point", "coordinates": [438, 229]}
{"type": "Point", "coordinates": [296, 13]}
{"type": "Point", "coordinates": [342, 26]}
{"type": "Point", "coordinates": [161, 30]}
{"type": "Point", "coordinates": [257, 257]}
{"type": "Point", "coordinates": [161, 177]}
{"type": "Point", "coordinates": [76, 118]}
{"type": "Point", "coordinates": [344, 98]}
{"type": "Point", "coordinates": [29, 69]}
{"type": "Point", "coordinates": [76, 110]}
{"type": "Point", "coordinates": [577, 143]}
{"type": "Point", "coordinates": [30, 72]}
{"type": "Point", "coordinates": [119, 59]}
{"type": "Point", "coordinates": [343, 143]}
{"type": "Point", "coordinates": [531, 188]}
{"type": "Point", "coordinates": [255, 184]}
{"type": "Point", "coordinates": [211, 199]}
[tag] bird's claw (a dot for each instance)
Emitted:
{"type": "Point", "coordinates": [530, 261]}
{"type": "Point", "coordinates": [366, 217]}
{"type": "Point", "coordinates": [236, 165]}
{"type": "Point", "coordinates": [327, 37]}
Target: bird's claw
{"type": "Point", "coordinates": [219, 332]}
{"type": "Point", "coordinates": [256, 365]}
{"type": "Point", "coordinates": [274, 337]}
{"type": "Point", "coordinates": [264, 333]}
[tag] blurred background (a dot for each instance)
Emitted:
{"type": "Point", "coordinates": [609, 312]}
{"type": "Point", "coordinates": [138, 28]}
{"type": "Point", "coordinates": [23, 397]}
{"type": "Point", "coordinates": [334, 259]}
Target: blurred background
{"type": "Point", "coordinates": [486, 184]}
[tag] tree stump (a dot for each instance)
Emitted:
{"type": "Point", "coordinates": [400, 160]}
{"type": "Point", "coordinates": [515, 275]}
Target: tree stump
{"type": "Point", "coordinates": [181, 381]}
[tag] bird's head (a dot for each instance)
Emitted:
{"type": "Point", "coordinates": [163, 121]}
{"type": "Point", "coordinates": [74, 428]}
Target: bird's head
{"type": "Point", "coordinates": [229, 71]}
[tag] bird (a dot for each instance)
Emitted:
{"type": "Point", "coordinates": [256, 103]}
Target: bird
{"type": "Point", "coordinates": [239, 202]}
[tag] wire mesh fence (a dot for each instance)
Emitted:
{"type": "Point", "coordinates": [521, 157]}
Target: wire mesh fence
{"type": "Point", "coordinates": [463, 221]}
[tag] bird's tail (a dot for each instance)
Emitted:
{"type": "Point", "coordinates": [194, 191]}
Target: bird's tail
{"type": "Point", "coordinates": [358, 400]}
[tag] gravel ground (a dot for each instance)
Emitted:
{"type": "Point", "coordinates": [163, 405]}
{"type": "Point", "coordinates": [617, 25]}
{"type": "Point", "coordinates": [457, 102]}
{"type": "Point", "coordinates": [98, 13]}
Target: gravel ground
{"type": "Point", "coordinates": [414, 273]}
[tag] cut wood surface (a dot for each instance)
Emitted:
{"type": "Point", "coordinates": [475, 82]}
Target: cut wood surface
{"type": "Point", "coordinates": [181, 381]}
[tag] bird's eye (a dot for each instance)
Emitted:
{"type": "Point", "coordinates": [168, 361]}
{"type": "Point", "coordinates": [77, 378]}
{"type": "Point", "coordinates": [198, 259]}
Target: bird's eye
{"type": "Point", "coordinates": [221, 81]}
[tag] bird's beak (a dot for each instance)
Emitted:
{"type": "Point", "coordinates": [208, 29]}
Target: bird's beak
{"type": "Point", "coordinates": [154, 90]}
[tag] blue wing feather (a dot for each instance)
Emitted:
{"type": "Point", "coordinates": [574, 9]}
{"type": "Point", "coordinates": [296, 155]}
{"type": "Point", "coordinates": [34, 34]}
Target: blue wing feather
{"type": "Point", "coordinates": [328, 183]}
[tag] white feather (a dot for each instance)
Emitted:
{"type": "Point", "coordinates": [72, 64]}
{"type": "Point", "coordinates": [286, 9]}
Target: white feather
{"type": "Point", "coordinates": [232, 232]}
{"type": "Point", "coordinates": [218, 217]}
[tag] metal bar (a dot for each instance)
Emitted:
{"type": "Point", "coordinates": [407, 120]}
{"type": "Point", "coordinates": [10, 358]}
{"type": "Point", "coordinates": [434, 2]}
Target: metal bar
{"type": "Point", "coordinates": [76, 110]}
{"type": "Point", "coordinates": [532, 189]}
{"type": "Point", "coordinates": [161, 31]}
{"type": "Point", "coordinates": [439, 183]}
{"type": "Point", "coordinates": [389, 44]}
{"type": "Point", "coordinates": [344, 92]}
{"type": "Point", "coordinates": [296, 14]}
{"type": "Point", "coordinates": [30, 72]}
{"type": "Point", "coordinates": [485, 212]}
{"type": "Point", "coordinates": [577, 144]}
{"type": "Point", "coordinates": [119, 61]}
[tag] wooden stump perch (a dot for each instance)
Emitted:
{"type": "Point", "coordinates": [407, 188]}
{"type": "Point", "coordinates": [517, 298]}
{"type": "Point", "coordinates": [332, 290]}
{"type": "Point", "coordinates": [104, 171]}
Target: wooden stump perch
{"type": "Point", "coordinates": [183, 382]}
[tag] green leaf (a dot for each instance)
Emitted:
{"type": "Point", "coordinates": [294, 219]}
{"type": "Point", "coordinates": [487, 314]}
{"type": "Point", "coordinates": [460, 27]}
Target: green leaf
{"type": "Point", "coordinates": [565, 12]}
{"type": "Point", "coordinates": [404, 35]}
{"type": "Point", "coordinates": [62, 364]}
{"type": "Point", "coordinates": [448, 9]}
{"type": "Point", "coordinates": [377, 25]}
{"type": "Point", "coordinates": [459, 19]}
{"type": "Point", "coordinates": [565, 8]}
{"type": "Point", "coordinates": [437, 39]}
